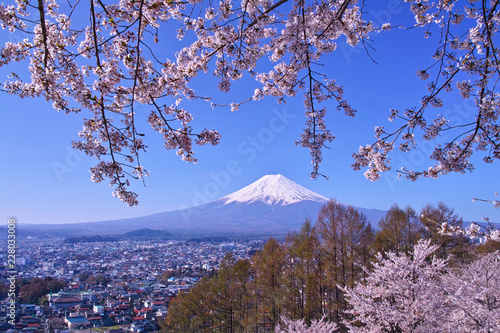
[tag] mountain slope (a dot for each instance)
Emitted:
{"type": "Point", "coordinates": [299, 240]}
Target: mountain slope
{"type": "Point", "coordinates": [271, 206]}
{"type": "Point", "coordinates": [273, 190]}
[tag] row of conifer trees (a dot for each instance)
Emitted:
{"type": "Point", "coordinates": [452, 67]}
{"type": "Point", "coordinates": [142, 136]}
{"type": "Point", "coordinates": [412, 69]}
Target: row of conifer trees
{"type": "Point", "coordinates": [303, 277]}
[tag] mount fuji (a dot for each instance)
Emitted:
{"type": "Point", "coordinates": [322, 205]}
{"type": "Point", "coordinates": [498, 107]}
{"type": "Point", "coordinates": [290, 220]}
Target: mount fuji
{"type": "Point", "coordinates": [273, 190]}
{"type": "Point", "coordinates": [271, 206]}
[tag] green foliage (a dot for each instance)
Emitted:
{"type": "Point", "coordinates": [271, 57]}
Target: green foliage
{"type": "Point", "coordinates": [34, 291]}
{"type": "Point", "coordinates": [98, 279]}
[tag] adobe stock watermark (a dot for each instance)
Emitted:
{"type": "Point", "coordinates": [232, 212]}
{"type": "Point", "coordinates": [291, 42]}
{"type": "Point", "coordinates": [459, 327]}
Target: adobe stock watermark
{"type": "Point", "coordinates": [248, 149]}
{"type": "Point", "coordinates": [380, 17]}
{"type": "Point", "coordinates": [72, 160]}
{"type": "Point", "coordinates": [417, 158]}
{"type": "Point", "coordinates": [11, 270]}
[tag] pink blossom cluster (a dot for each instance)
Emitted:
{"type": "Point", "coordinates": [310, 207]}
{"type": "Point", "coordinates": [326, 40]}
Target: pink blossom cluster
{"type": "Point", "coordinates": [466, 57]}
{"type": "Point", "coordinates": [299, 326]}
{"type": "Point", "coordinates": [487, 231]}
{"type": "Point", "coordinates": [110, 67]}
{"type": "Point", "coordinates": [103, 68]}
{"type": "Point", "coordinates": [417, 292]}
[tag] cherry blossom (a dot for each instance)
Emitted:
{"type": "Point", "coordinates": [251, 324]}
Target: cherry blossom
{"type": "Point", "coordinates": [108, 67]}
{"type": "Point", "coordinates": [472, 291]}
{"type": "Point", "coordinates": [401, 294]}
{"type": "Point", "coordinates": [486, 231]}
{"type": "Point", "coordinates": [298, 326]}
{"type": "Point", "coordinates": [467, 58]}
{"type": "Point", "coordinates": [416, 293]}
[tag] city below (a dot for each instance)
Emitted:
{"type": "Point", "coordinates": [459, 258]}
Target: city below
{"type": "Point", "coordinates": [122, 285]}
{"type": "Point", "coordinates": [147, 274]}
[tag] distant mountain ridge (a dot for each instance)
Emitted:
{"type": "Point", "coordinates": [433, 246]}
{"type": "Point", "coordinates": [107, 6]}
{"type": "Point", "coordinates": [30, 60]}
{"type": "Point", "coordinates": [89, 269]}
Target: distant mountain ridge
{"type": "Point", "coordinates": [146, 233]}
{"type": "Point", "coordinates": [271, 206]}
{"type": "Point", "coordinates": [141, 234]}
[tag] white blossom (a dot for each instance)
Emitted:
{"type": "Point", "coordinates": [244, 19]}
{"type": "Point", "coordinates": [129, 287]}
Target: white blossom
{"type": "Point", "coordinates": [402, 293]}
{"type": "Point", "coordinates": [106, 67]}
{"type": "Point", "coordinates": [298, 326]}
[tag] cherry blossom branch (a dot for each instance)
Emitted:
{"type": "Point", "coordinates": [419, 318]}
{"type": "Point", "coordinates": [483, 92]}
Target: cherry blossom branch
{"type": "Point", "coordinates": [102, 67]}
{"type": "Point", "coordinates": [267, 11]}
{"type": "Point", "coordinates": [487, 18]}
{"type": "Point", "coordinates": [496, 203]}
{"type": "Point", "coordinates": [136, 74]}
{"type": "Point", "coordinates": [454, 156]}
{"type": "Point", "coordinates": [487, 232]}
{"type": "Point", "coordinates": [44, 33]}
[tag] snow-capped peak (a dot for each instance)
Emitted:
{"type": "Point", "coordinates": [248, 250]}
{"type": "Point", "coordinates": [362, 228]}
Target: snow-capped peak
{"type": "Point", "coordinates": [273, 189]}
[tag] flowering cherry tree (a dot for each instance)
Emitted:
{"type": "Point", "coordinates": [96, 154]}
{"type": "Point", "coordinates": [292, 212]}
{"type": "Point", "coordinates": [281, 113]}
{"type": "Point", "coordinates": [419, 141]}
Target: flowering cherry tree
{"type": "Point", "coordinates": [109, 66]}
{"type": "Point", "coordinates": [473, 291]}
{"type": "Point", "coordinates": [488, 232]}
{"type": "Point", "coordinates": [298, 326]}
{"type": "Point", "coordinates": [466, 59]}
{"type": "Point", "coordinates": [402, 294]}
{"type": "Point", "coordinates": [416, 293]}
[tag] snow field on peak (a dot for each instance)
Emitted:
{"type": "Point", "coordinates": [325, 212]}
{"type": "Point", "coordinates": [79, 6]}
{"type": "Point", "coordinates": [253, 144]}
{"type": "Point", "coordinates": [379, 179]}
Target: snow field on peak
{"type": "Point", "coordinates": [272, 190]}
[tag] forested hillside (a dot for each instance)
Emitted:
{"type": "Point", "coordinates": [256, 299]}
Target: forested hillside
{"type": "Point", "coordinates": [406, 277]}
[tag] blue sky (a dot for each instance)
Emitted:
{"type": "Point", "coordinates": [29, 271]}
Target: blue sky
{"type": "Point", "coordinates": [45, 181]}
